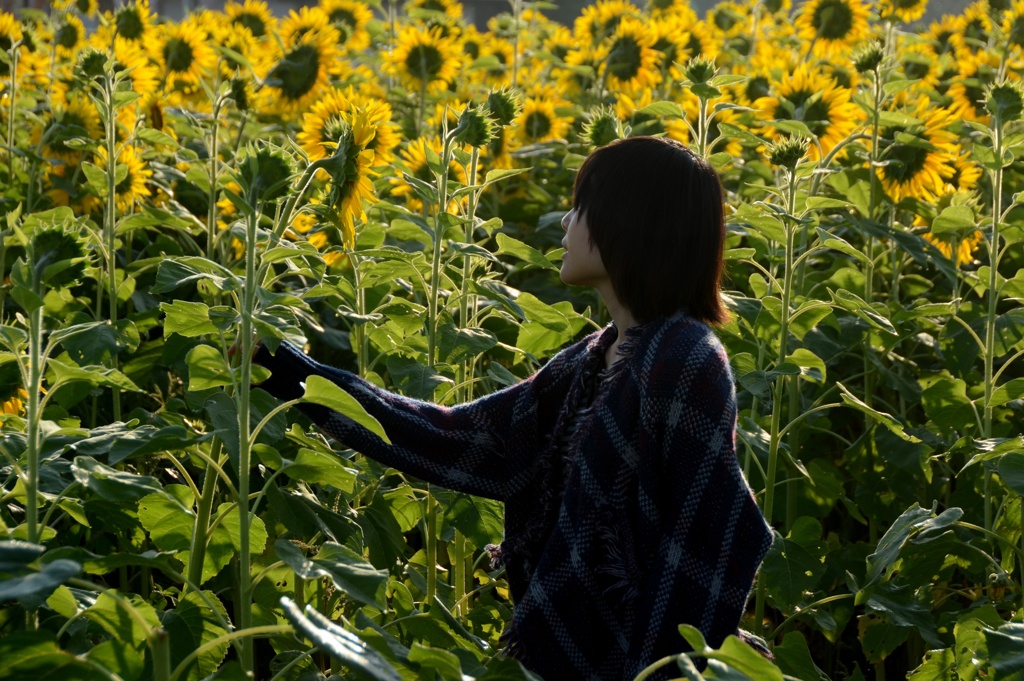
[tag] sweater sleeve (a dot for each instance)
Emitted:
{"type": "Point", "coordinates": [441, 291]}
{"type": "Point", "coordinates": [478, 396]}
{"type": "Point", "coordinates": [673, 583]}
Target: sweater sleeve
{"type": "Point", "coordinates": [710, 534]}
{"type": "Point", "coordinates": [462, 448]}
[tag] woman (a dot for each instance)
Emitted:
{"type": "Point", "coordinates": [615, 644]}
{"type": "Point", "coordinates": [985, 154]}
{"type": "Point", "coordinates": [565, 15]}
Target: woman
{"type": "Point", "coordinates": [626, 513]}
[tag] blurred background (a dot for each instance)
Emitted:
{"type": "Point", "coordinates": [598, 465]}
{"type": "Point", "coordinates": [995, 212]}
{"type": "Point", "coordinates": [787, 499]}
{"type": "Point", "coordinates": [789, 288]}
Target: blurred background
{"type": "Point", "coordinates": [477, 11]}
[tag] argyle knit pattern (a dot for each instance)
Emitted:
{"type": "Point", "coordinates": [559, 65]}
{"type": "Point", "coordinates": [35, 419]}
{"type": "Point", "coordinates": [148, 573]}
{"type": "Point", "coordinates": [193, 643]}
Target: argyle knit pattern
{"type": "Point", "coordinates": [648, 524]}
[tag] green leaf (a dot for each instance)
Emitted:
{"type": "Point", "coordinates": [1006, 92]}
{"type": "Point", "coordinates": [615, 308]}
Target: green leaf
{"type": "Point", "coordinates": [157, 137]}
{"type": "Point", "coordinates": [301, 512]}
{"type": "Point", "coordinates": [178, 272]}
{"type": "Point", "coordinates": [345, 568]}
{"type": "Point", "coordinates": [1011, 390]}
{"type": "Point", "coordinates": [189, 319]}
{"type": "Point", "coordinates": [339, 643]}
{"type": "Point", "coordinates": [322, 468]}
{"type": "Point", "coordinates": [207, 368]}
{"type": "Point", "coordinates": [319, 390]}
{"type": "Point", "coordinates": [192, 624]}
{"type": "Point", "coordinates": [96, 177]}
{"type": "Point", "coordinates": [790, 570]}
{"type": "Point", "coordinates": [887, 420]}
{"type": "Point", "coordinates": [170, 523]}
{"type": "Point", "coordinates": [118, 657]}
{"type": "Point", "coordinates": [94, 375]}
{"type": "Point", "coordinates": [32, 589]}
{"type": "Point", "coordinates": [946, 403]}
{"type": "Point", "coordinates": [1006, 649]}
{"type": "Point", "coordinates": [914, 520]}
{"type": "Point", "coordinates": [662, 108]}
{"type": "Point", "coordinates": [34, 656]}
{"type": "Point", "coordinates": [1011, 470]}
{"type": "Point", "coordinates": [463, 344]}
{"type": "Point", "coordinates": [794, 658]}
{"type": "Point", "coordinates": [111, 484]}
{"type": "Point", "coordinates": [769, 226]}
{"type": "Point", "coordinates": [824, 202]}
{"type": "Point", "coordinates": [857, 306]}
{"type": "Point", "coordinates": [441, 662]}
{"type": "Point", "coordinates": [879, 638]}
{"type": "Point", "coordinates": [954, 219]}
{"type": "Point", "coordinates": [128, 618]}
{"type": "Point", "coordinates": [17, 555]}
{"type": "Point", "coordinates": [938, 665]}
{"type": "Point", "coordinates": [528, 254]}
{"type": "Point", "coordinates": [743, 658]}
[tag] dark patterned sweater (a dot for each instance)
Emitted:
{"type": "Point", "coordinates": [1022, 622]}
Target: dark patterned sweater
{"type": "Point", "coordinates": [648, 524]}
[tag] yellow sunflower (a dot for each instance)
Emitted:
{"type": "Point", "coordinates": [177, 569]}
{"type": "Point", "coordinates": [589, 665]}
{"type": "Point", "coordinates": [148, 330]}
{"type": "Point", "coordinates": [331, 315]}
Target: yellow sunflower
{"type": "Point", "coordinates": [10, 33]}
{"type": "Point", "coordinates": [906, 11]}
{"type": "Point", "coordinates": [559, 42]}
{"type": "Point", "coordinates": [809, 96]}
{"type": "Point", "coordinates": [920, 61]}
{"type": "Point", "coordinates": [133, 187]}
{"type": "Point", "coordinates": [253, 15]}
{"type": "Point", "coordinates": [962, 245]}
{"type": "Point", "coordinates": [628, 60]}
{"type": "Point", "coordinates": [350, 18]}
{"type": "Point", "coordinates": [968, 89]}
{"type": "Point", "coordinates": [974, 28]}
{"type": "Point", "coordinates": [302, 73]}
{"type": "Point", "coordinates": [413, 161]}
{"type": "Point", "coordinates": [67, 186]}
{"type": "Point", "coordinates": [133, 21]}
{"type": "Point", "coordinates": [85, 8]}
{"type": "Point", "coordinates": [184, 55]}
{"type": "Point", "coordinates": [503, 52]}
{"type": "Point", "coordinates": [308, 20]}
{"type": "Point", "coordinates": [68, 36]}
{"type": "Point", "coordinates": [661, 8]}
{"type": "Point", "coordinates": [598, 22]}
{"type": "Point", "coordinates": [539, 121]}
{"type": "Point", "coordinates": [1013, 26]}
{"type": "Point", "coordinates": [831, 27]}
{"type": "Point", "coordinates": [580, 71]}
{"type": "Point", "coordinates": [423, 59]}
{"type": "Point", "coordinates": [351, 186]}
{"type": "Point", "coordinates": [940, 34]}
{"type": "Point", "coordinates": [79, 119]}
{"type": "Point", "coordinates": [671, 39]}
{"type": "Point", "coordinates": [729, 19]}
{"type": "Point", "coordinates": [15, 405]}
{"type": "Point", "coordinates": [700, 41]}
{"type": "Point", "coordinates": [919, 156]}
{"type": "Point", "coordinates": [966, 172]}
{"type": "Point", "coordinates": [450, 8]}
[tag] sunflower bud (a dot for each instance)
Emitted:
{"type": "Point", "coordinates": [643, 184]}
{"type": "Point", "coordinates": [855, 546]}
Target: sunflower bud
{"type": "Point", "coordinates": [504, 105]}
{"type": "Point", "coordinates": [239, 94]}
{"type": "Point", "coordinates": [787, 152]}
{"type": "Point", "coordinates": [475, 127]}
{"type": "Point", "coordinates": [868, 57]}
{"type": "Point", "coordinates": [602, 127]}
{"type": "Point", "coordinates": [699, 70]}
{"type": "Point", "coordinates": [1005, 102]}
{"type": "Point", "coordinates": [266, 173]}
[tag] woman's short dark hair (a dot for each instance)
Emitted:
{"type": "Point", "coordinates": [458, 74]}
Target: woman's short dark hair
{"type": "Point", "coordinates": [655, 213]}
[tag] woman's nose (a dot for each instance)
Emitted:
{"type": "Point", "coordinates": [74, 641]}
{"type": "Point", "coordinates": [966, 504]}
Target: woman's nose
{"type": "Point", "coordinates": [565, 221]}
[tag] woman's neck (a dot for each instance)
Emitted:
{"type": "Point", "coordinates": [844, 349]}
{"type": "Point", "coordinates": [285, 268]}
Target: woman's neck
{"type": "Point", "coordinates": [623, 318]}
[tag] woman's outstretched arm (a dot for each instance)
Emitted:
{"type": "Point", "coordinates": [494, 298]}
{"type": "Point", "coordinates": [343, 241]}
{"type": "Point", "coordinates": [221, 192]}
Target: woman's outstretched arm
{"type": "Point", "coordinates": [461, 448]}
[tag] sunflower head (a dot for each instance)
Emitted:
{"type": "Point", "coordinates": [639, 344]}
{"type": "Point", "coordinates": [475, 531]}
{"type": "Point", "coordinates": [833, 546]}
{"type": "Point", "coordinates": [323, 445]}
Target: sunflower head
{"type": "Point", "coordinates": [787, 152]}
{"type": "Point", "coordinates": [602, 127]}
{"type": "Point", "coordinates": [699, 70]}
{"type": "Point", "coordinates": [266, 173]}
{"type": "Point", "coordinates": [1005, 102]}
{"type": "Point", "coordinates": [868, 57]}
{"type": "Point", "coordinates": [504, 105]}
{"type": "Point", "coordinates": [475, 127]}
{"type": "Point", "coordinates": [132, 20]}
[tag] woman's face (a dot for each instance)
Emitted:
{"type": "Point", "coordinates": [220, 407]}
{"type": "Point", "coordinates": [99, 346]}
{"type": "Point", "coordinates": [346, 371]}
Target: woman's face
{"type": "Point", "coordinates": [581, 263]}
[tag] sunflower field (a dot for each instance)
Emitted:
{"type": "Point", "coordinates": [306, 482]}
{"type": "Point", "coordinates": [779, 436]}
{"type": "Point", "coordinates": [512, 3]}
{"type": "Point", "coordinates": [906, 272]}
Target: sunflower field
{"type": "Point", "coordinates": [383, 184]}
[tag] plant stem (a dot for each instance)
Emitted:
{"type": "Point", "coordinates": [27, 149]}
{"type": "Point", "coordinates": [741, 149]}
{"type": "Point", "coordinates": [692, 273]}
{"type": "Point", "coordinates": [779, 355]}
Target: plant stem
{"type": "Point", "coordinates": [160, 648]}
{"type": "Point", "coordinates": [993, 301]}
{"type": "Point", "coordinates": [110, 223]}
{"type": "Point", "coordinates": [204, 507]}
{"type": "Point", "coordinates": [244, 607]}
{"type": "Point", "coordinates": [435, 266]}
{"type": "Point", "coordinates": [211, 219]}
